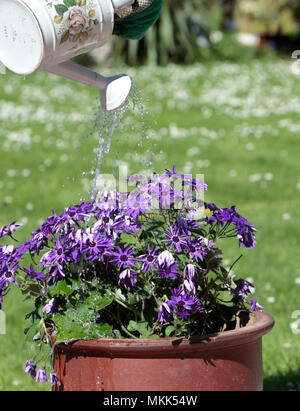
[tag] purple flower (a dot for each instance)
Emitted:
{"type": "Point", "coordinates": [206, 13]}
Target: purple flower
{"type": "Point", "coordinates": [172, 173]}
{"type": "Point", "coordinates": [97, 247]}
{"type": "Point", "coordinates": [254, 304]}
{"type": "Point", "coordinates": [77, 241]}
{"type": "Point", "coordinates": [70, 216]}
{"type": "Point", "coordinates": [122, 258]}
{"type": "Point", "coordinates": [126, 223]}
{"type": "Point", "coordinates": [246, 237]}
{"type": "Point", "coordinates": [8, 249]}
{"type": "Point", "coordinates": [196, 249]}
{"type": "Point", "coordinates": [138, 203]}
{"type": "Point", "coordinates": [135, 178]}
{"type": "Point", "coordinates": [165, 257]}
{"type": "Point", "coordinates": [199, 185]}
{"type": "Point", "coordinates": [165, 312]}
{"type": "Point", "coordinates": [58, 255]}
{"type": "Point", "coordinates": [190, 271]}
{"type": "Point", "coordinates": [41, 375]}
{"type": "Point", "coordinates": [10, 258]}
{"type": "Point", "coordinates": [105, 222]}
{"type": "Point", "coordinates": [175, 239]}
{"type": "Point", "coordinates": [4, 231]}
{"type": "Point", "coordinates": [149, 260]}
{"type": "Point", "coordinates": [37, 241]}
{"type": "Point", "coordinates": [181, 304]}
{"type": "Point", "coordinates": [54, 271]}
{"type": "Point", "coordinates": [53, 379]}
{"type": "Point", "coordinates": [168, 271]}
{"type": "Point", "coordinates": [50, 307]}
{"type": "Point", "coordinates": [184, 224]}
{"type": "Point", "coordinates": [30, 368]}
{"type": "Point", "coordinates": [32, 274]}
{"type": "Point", "coordinates": [128, 278]}
{"type": "Point", "coordinates": [188, 180]}
{"type": "Point", "coordinates": [189, 287]}
{"type": "Point", "coordinates": [160, 188]}
{"type": "Point", "coordinates": [130, 224]}
{"type": "Point", "coordinates": [184, 304]}
{"type": "Point", "coordinates": [243, 288]}
{"type": "Point", "coordinates": [244, 230]}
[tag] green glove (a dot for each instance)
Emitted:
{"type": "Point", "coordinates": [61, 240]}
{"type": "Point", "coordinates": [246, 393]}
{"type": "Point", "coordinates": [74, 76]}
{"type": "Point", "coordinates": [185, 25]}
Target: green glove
{"type": "Point", "coordinates": [135, 25]}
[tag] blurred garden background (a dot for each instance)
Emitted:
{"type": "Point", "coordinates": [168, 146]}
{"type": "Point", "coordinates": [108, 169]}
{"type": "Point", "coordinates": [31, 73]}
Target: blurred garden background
{"type": "Point", "coordinates": [221, 97]}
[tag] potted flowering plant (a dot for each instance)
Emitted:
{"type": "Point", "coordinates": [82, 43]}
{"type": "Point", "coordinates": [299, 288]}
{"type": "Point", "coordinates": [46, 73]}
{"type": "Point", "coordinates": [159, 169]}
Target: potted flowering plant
{"type": "Point", "coordinates": [131, 293]}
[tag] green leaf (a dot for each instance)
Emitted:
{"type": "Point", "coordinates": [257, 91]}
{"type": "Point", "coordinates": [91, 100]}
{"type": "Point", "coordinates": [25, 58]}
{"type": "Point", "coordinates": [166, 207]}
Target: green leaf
{"type": "Point", "coordinates": [32, 290]}
{"type": "Point", "coordinates": [72, 327]}
{"type": "Point", "coordinates": [78, 323]}
{"type": "Point", "coordinates": [117, 334]}
{"type": "Point", "coordinates": [65, 36]}
{"type": "Point", "coordinates": [102, 330]}
{"type": "Point", "coordinates": [70, 3]}
{"type": "Point", "coordinates": [169, 330]}
{"type": "Point", "coordinates": [61, 9]}
{"type": "Point", "coordinates": [97, 302]}
{"type": "Point", "coordinates": [32, 333]}
{"type": "Point", "coordinates": [71, 330]}
{"type": "Point", "coordinates": [197, 231]}
{"type": "Point", "coordinates": [133, 241]}
{"type": "Point", "coordinates": [142, 328]}
{"type": "Point", "coordinates": [34, 315]}
{"type": "Point", "coordinates": [81, 313]}
{"type": "Point", "coordinates": [60, 287]}
{"type": "Point", "coordinates": [68, 331]}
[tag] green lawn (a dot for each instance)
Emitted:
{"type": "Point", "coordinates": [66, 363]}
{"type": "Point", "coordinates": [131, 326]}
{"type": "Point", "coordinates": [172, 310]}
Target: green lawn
{"type": "Point", "coordinates": [238, 124]}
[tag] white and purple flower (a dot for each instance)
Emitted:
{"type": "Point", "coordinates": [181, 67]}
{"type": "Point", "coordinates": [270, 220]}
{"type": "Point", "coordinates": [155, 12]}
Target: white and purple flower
{"type": "Point", "coordinates": [165, 258]}
{"type": "Point", "coordinates": [41, 375]}
{"type": "Point", "coordinates": [50, 307]}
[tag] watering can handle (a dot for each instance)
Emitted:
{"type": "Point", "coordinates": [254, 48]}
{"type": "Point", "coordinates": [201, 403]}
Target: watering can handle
{"type": "Point", "coordinates": [120, 4]}
{"type": "Point", "coordinates": [114, 90]}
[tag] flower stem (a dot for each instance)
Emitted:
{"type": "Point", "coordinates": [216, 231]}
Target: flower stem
{"type": "Point", "coordinates": [118, 319]}
{"type": "Point", "coordinates": [128, 307]}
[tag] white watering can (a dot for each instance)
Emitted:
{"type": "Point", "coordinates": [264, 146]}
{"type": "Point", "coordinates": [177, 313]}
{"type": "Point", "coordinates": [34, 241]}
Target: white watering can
{"type": "Point", "coordinates": [46, 34]}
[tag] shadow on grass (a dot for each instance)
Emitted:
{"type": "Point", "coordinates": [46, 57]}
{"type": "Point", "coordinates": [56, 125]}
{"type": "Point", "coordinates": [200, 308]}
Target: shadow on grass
{"type": "Point", "coordinates": [283, 382]}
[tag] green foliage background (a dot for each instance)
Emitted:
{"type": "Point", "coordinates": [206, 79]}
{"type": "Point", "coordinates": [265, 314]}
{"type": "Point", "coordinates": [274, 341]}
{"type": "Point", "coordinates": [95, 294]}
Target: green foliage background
{"type": "Point", "coordinates": [184, 32]}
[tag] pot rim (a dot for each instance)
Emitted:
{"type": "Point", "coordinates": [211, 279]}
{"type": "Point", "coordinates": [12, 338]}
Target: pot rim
{"type": "Point", "coordinates": [261, 324]}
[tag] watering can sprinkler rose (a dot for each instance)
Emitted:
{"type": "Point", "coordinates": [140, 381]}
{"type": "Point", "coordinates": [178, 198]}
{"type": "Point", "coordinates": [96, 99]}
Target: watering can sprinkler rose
{"type": "Point", "coordinates": [44, 34]}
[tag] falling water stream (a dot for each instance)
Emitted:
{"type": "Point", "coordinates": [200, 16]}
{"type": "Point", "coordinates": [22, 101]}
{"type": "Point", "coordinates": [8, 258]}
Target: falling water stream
{"type": "Point", "coordinates": [110, 121]}
{"type": "Point", "coordinates": [105, 125]}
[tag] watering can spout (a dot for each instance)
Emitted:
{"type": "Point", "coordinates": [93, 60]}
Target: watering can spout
{"type": "Point", "coordinates": [114, 90]}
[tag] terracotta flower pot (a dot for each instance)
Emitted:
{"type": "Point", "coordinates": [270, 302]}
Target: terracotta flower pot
{"type": "Point", "coordinates": [230, 360]}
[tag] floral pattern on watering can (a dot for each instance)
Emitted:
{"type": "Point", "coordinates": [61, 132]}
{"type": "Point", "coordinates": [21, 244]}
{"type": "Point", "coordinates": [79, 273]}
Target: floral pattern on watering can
{"type": "Point", "coordinates": [75, 21]}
